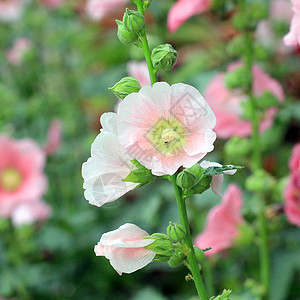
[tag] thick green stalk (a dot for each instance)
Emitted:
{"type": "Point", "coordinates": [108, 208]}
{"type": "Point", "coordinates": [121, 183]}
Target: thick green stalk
{"type": "Point", "coordinates": [188, 241]}
{"type": "Point", "coordinates": [145, 47]}
{"type": "Point", "coordinates": [256, 165]}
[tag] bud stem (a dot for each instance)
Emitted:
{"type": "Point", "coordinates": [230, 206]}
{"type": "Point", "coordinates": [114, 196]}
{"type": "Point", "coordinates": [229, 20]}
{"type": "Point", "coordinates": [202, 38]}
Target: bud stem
{"type": "Point", "coordinates": [188, 241]}
{"type": "Point", "coordinates": [145, 46]}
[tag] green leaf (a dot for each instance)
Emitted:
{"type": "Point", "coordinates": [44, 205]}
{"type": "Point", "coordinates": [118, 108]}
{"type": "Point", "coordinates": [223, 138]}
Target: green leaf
{"type": "Point", "coordinates": [225, 296]}
{"type": "Point", "coordinates": [219, 170]}
{"type": "Point", "coordinates": [140, 175]}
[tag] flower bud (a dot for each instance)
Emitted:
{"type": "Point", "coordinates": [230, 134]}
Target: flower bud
{"type": "Point", "coordinates": [125, 86]}
{"type": "Point", "coordinates": [164, 57]}
{"type": "Point", "coordinates": [125, 36]}
{"type": "Point", "coordinates": [133, 21]}
{"type": "Point", "coordinates": [146, 4]}
{"type": "Point", "coordinates": [176, 259]}
{"type": "Point", "coordinates": [260, 181]}
{"type": "Point", "coordinates": [186, 179]}
{"type": "Point", "coordinates": [176, 232]}
{"type": "Point", "coordinates": [245, 235]}
{"type": "Point", "coordinates": [162, 246]}
{"type": "Point", "coordinates": [236, 46]}
{"type": "Point", "coordinates": [237, 147]}
{"type": "Point", "coordinates": [238, 78]}
{"type": "Point", "coordinates": [199, 253]}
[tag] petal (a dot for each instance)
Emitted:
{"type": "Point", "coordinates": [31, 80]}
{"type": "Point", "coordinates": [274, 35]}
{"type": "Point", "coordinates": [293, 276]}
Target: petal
{"type": "Point", "coordinates": [216, 184]}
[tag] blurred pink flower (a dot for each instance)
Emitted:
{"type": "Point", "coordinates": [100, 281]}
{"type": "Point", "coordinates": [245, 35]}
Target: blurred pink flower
{"type": "Point", "coordinates": [28, 213]}
{"type": "Point", "coordinates": [280, 10]}
{"type": "Point", "coordinates": [10, 10]}
{"type": "Point", "coordinates": [165, 127]}
{"type": "Point", "coordinates": [217, 180]}
{"type": "Point", "coordinates": [16, 54]}
{"type": "Point", "coordinates": [139, 70]}
{"type": "Point", "coordinates": [226, 103]}
{"type": "Point", "coordinates": [53, 137]}
{"type": "Point", "coordinates": [182, 10]}
{"type": "Point", "coordinates": [97, 9]}
{"type": "Point", "coordinates": [222, 223]}
{"type": "Point", "coordinates": [124, 247]}
{"type": "Point", "coordinates": [53, 3]}
{"type": "Point", "coordinates": [108, 165]}
{"type": "Point", "coordinates": [293, 37]}
{"type": "Point", "coordinates": [292, 190]}
{"type": "Point", "coordinates": [22, 179]}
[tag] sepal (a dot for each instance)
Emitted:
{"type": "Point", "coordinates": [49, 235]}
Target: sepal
{"type": "Point", "coordinates": [140, 175]}
{"type": "Point", "coordinates": [220, 170]}
{"type": "Point", "coordinates": [162, 246]}
{"type": "Point", "coordinates": [224, 296]}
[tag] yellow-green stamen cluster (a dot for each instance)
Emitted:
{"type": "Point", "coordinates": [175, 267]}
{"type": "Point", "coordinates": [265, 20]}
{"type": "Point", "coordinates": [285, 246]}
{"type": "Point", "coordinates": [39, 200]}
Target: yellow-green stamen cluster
{"type": "Point", "coordinates": [10, 179]}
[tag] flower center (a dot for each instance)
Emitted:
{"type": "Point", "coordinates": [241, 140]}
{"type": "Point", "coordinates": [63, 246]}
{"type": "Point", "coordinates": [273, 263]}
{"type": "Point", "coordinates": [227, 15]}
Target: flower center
{"type": "Point", "coordinates": [167, 136]}
{"type": "Point", "coordinates": [10, 179]}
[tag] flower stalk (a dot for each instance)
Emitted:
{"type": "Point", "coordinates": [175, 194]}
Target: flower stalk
{"type": "Point", "coordinates": [188, 241]}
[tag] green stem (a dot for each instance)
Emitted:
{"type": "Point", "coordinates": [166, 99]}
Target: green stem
{"type": "Point", "coordinates": [188, 241]}
{"type": "Point", "coordinates": [256, 165]}
{"type": "Point", "coordinates": [145, 47]}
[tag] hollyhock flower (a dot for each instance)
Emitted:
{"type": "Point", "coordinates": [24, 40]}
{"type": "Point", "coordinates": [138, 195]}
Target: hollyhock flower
{"type": "Point", "coordinates": [21, 173]}
{"type": "Point", "coordinates": [53, 137]}
{"type": "Point", "coordinates": [139, 70]}
{"type": "Point", "coordinates": [165, 127]}
{"type": "Point", "coordinates": [292, 190]}
{"type": "Point", "coordinates": [226, 103]}
{"type": "Point", "coordinates": [217, 180]}
{"type": "Point", "coordinates": [16, 54]}
{"type": "Point", "coordinates": [222, 223]}
{"type": "Point", "coordinates": [124, 247]}
{"type": "Point", "coordinates": [97, 9]}
{"type": "Point", "coordinates": [28, 213]}
{"type": "Point", "coordinates": [53, 3]}
{"type": "Point", "coordinates": [10, 10]}
{"type": "Point", "coordinates": [108, 165]}
{"type": "Point", "coordinates": [182, 10]}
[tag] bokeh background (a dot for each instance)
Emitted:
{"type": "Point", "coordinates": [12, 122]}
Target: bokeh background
{"type": "Point", "coordinates": [64, 76]}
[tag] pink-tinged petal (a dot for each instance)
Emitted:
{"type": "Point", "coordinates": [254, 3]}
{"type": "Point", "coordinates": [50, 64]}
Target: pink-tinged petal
{"type": "Point", "coordinates": [16, 54]}
{"type": "Point", "coordinates": [28, 213]}
{"type": "Point", "coordinates": [53, 3]}
{"type": "Point", "coordinates": [108, 165]}
{"type": "Point", "coordinates": [139, 70]}
{"type": "Point", "coordinates": [294, 162]}
{"type": "Point", "coordinates": [293, 37]}
{"type": "Point", "coordinates": [222, 222]}
{"type": "Point", "coordinates": [53, 137]}
{"type": "Point", "coordinates": [97, 9]}
{"type": "Point", "coordinates": [124, 247]}
{"type": "Point", "coordinates": [11, 10]}
{"type": "Point", "coordinates": [154, 107]}
{"type": "Point", "coordinates": [182, 10]}
{"type": "Point", "coordinates": [216, 184]}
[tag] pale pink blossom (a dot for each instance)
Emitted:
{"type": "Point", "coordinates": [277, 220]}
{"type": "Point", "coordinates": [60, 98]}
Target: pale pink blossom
{"type": "Point", "coordinates": [139, 70]}
{"type": "Point", "coordinates": [217, 180]}
{"type": "Point", "coordinates": [16, 54]}
{"type": "Point", "coordinates": [97, 9]}
{"type": "Point", "coordinates": [165, 127]}
{"type": "Point", "coordinates": [53, 137]}
{"type": "Point", "coordinates": [226, 103]}
{"type": "Point", "coordinates": [292, 190]}
{"type": "Point", "coordinates": [108, 165]}
{"type": "Point", "coordinates": [280, 10]}
{"type": "Point", "coordinates": [182, 10]}
{"type": "Point", "coordinates": [22, 179]}
{"type": "Point", "coordinates": [124, 247]}
{"type": "Point", "coordinates": [222, 224]}
{"type": "Point", "coordinates": [28, 213]}
{"type": "Point", "coordinates": [10, 10]}
{"type": "Point", "coordinates": [293, 37]}
{"type": "Point", "coordinates": [53, 3]}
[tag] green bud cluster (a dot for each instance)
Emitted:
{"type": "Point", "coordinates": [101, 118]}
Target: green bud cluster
{"type": "Point", "coordinates": [238, 78]}
{"type": "Point", "coordinates": [176, 232]}
{"type": "Point", "coordinates": [260, 181]}
{"type": "Point", "coordinates": [125, 86]}
{"type": "Point", "coordinates": [164, 57]}
{"type": "Point", "coordinates": [238, 147]}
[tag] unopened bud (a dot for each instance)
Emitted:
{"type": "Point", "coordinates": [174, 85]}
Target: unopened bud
{"type": "Point", "coordinates": [146, 4]}
{"type": "Point", "coordinates": [176, 259]}
{"type": "Point", "coordinates": [238, 147]}
{"type": "Point", "coordinates": [133, 21]}
{"type": "Point", "coordinates": [176, 232]}
{"type": "Point", "coordinates": [164, 57]}
{"type": "Point", "coordinates": [260, 181]}
{"type": "Point", "coordinates": [125, 86]}
{"type": "Point", "coordinates": [238, 78]}
{"type": "Point", "coordinates": [199, 253]}
{"type": "Point", "coordinates": [125, 36]}
{"type": "Point", "coordinates": [186, 179]}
